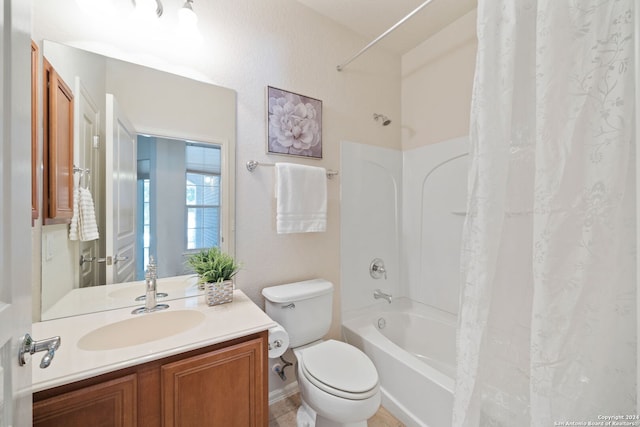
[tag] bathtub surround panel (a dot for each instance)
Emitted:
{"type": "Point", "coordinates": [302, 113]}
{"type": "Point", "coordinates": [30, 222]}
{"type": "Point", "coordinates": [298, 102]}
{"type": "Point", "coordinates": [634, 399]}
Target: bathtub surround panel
{"type": "Point", "coordinates": [408, 209]}
{"type": "Point", "coordinates": [434, 204]}
{"type": "Point", "coordinates": [371, 193]}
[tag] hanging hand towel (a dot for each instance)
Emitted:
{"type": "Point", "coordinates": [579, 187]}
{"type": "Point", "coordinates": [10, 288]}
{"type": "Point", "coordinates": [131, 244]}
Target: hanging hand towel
{"type": "Point", "coordinates": [301, 198]}
{"type": "Point", "coordinates": [87, 226]}
{"type": "Point", "coordinates": [73, 227]}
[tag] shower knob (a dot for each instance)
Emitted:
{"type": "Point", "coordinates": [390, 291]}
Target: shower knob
{"type": "Point", "coordinates": [377, 270]}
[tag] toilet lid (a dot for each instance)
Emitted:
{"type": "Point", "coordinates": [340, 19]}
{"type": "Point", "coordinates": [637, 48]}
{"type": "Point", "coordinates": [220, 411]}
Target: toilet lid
{"type": "Point", "coordinates": [340, 367]}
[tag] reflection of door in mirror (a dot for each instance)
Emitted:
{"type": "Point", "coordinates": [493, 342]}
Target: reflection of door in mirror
{"type": "Point", "coordinates": [87, 131]}
{"type": "Point", "coordinates": [120, 171]}
{"type": "Point", "coordinates": [178, 201]}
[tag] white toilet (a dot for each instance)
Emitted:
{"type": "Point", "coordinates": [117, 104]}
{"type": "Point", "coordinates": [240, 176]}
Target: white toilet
{"type": "Point", "coordinates": [338, 383]}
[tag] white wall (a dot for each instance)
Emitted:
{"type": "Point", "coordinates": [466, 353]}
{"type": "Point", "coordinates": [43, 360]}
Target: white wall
{"type": "Point", "coordinates": [169, 105]}
{"type": "Point", "coordinates": [437, 80]}
{"type": "Point", "coordinates": [59, 265]}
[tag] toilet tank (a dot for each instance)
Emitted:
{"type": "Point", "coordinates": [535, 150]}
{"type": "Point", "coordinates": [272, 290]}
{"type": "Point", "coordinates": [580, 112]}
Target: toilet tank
{"type": "Point", "coordinates": [303, 309]}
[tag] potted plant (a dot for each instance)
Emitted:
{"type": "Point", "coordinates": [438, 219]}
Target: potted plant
{"type": "Point", "coordinates": [215, 270]}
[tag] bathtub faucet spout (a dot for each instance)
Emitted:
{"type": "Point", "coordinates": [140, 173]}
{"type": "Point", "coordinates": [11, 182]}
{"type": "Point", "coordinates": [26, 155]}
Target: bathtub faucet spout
{"type": "Point", "coordinates": [377, 294]}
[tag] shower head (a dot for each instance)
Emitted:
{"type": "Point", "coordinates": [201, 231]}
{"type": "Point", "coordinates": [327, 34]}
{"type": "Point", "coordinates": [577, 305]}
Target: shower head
{"type": "Point", "coordinates": [381, 117]}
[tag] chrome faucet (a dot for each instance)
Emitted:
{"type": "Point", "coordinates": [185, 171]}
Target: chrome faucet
{"type": "Point", "coordinates": [150, 302]}
{"type": "Point", "coordinates": [152, 270]}
{"type": "Point", "coordinates": [377, 294]}
{"type": "Point", "coordinates": [150, 290]}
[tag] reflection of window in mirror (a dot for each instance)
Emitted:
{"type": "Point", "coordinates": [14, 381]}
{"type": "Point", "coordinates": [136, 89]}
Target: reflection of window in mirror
{"type": "Point", "coordinates": [203, 196]}
{"type": "Point", "coordinates": [178, 200]}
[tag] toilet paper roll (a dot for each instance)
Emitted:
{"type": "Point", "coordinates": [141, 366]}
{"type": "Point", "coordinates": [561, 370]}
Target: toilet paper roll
{"type": "Point", "coordinates": [278, 341]}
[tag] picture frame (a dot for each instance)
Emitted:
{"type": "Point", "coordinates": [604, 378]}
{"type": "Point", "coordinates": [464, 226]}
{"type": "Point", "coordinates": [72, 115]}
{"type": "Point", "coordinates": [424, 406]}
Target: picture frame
{"type": "Point", "coordinates": [294, 124]}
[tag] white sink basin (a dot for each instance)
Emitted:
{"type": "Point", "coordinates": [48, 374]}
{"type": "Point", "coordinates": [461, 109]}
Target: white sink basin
{"type": "Point", "coordinates": [176, 288]}
{"type": "Point", "coordinates": [142, 328]}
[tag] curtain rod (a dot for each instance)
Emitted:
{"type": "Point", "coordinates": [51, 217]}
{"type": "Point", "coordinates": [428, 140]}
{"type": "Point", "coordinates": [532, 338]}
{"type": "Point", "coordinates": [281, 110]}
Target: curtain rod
{"type": "Point", "coordinates": [381, 36]}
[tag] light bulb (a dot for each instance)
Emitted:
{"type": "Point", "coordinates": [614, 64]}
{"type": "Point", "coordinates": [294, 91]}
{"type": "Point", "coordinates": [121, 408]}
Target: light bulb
{"type": "Point", "coordinates": [187, 31]}
{"type": "Point", "coordinates": [146, 7]}
{"type": "Point", "coordinates": [187, 18]}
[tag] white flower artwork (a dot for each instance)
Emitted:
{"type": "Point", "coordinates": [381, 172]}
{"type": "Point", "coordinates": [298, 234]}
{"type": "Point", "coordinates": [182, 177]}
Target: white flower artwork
{"type": "Point", "coordinates": [294, 124]}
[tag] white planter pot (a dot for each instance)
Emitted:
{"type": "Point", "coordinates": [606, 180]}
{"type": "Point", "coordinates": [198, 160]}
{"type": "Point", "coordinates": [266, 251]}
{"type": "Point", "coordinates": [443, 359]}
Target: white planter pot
{"type": "Point", "coordinates": [218, 292]}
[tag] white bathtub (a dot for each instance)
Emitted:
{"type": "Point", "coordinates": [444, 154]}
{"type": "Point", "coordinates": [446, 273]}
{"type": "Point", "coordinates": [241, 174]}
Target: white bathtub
{"type": "Point", "coordinates": [413, 347]}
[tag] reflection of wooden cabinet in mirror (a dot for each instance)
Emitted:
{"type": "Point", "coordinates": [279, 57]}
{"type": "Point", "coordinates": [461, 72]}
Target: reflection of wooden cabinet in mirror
{"type": "Point", "coordinates": [58, 148]}
{"type": "Point", "coordinates": [34, 132]}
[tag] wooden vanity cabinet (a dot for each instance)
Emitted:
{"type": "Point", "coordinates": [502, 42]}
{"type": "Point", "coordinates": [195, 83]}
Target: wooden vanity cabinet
{"type": "Point", "coordinates": [222, 385]}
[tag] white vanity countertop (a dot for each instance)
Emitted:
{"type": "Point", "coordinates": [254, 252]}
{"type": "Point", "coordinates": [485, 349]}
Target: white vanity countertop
{"type": "Point", "coordinates": [222, 323]}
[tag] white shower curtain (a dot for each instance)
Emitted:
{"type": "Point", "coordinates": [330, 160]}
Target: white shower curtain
{"type": "Point", "coordinates": [547, 324]}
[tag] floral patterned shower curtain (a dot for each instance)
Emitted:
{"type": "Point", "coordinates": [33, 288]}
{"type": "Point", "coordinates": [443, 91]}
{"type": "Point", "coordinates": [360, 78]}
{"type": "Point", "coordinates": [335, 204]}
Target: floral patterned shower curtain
{"type": "Point", "coordinates": [547, 325]}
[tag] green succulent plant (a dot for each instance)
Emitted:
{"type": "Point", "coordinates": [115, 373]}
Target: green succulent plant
{"type": "Point", "coordinates": [213, 265]}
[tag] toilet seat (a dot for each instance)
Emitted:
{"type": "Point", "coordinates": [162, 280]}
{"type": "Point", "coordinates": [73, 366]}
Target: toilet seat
{"type": "Point", "coordinates": [339, 369]}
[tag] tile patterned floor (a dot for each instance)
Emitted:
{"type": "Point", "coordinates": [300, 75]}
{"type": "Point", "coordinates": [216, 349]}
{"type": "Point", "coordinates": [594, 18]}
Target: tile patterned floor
{"type": "Point", "coordinates": [283, 414]}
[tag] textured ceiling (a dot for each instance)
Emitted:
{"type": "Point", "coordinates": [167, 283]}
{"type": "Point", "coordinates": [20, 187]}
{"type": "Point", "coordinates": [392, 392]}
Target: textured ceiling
{"type": "Point", "coordinates": [371, 18]}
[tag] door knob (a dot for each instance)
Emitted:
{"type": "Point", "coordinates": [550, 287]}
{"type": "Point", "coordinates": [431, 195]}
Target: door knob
{"type": "Point", "coordinates": [29, 346]}
{"type": "Point", "coordinates": [117, 258]}
{"type": "Point", "coordinates": [84, 259]}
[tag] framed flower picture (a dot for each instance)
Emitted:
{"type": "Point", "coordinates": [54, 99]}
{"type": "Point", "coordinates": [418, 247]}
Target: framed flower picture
{"type": "Point", "coordinates": [294, 124]}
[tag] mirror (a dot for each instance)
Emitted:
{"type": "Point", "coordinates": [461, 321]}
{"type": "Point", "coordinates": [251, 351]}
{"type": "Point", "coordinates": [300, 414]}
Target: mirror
{"type": "Point", "coordinates": [164, 192]}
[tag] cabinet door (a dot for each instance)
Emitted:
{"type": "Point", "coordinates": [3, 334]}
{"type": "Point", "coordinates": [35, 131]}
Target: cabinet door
{"type": "Point", "coordinates": [112, 403]}
{"type": "Point", "coordinates": [58, 148]}
{"type": "Point", "coordinates": [222, 388]}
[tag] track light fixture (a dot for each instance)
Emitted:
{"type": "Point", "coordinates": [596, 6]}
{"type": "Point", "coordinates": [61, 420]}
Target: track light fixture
{"type": "Point", "coordinates": [187, 18]}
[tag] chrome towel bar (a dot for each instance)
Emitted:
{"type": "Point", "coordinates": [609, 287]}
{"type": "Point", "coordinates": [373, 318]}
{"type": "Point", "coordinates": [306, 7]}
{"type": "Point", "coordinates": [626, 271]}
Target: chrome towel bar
{"type": "Point", "coordinates": [253, 164]}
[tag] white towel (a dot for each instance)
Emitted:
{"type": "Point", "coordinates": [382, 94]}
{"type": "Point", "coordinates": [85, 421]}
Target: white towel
{"type": "Point", "coordinates": [73, 227]}
{"type": "Point", "coordinates": [301, 198]}
{"type": "Point", "coordinates": [83, 225]}
{"type": "Point", "coordinates": [87, 225]}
